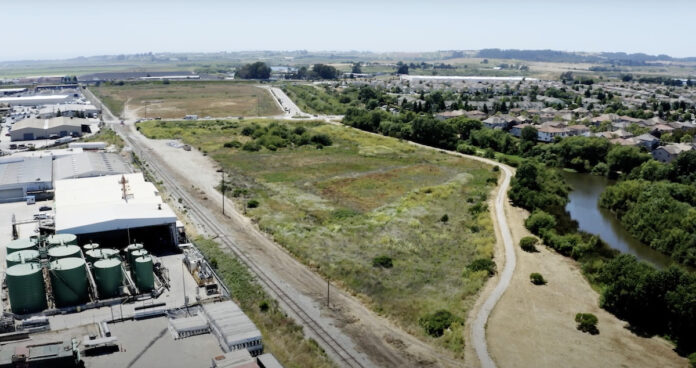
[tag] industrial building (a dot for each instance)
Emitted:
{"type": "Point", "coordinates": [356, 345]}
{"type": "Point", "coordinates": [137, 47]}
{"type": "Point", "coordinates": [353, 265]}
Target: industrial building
{"type": "Point", "coordinates": [24, 176]}
{"type": "Point", "coordinates": [34, 173]}
{"type": "Point", "coordinates": [35, 100]}
{"type": "Point", "coordinates": [114, 209]}
{"type": "Point", "coordinates": [88, 165]}
{"type": "Point", "coordinates": [70, 110]}
{"type": "Point", "coordinates": [11, 91]}
{"type": "Point", "coordinates": [56, 354]}
{"type": "Point", "coordinates": [34, 128]}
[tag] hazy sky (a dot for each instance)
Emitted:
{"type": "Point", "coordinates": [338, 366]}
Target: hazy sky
{"type": "Point", "coordinates": [40, 29]}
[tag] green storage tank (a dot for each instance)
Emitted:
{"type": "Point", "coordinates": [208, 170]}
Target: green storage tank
{"type": "Point", "coordinates": [64, 251]}
{"type": "Point", "coordinates": [108, 277]}
{"type": "Point", "coordinates": [90, 246]}
{"type": "Point", "coordinates": [25, 285]}
{"type": "Point", "coordinates": [143, 274]}
{"type": "Point", "coordinates": [69, 281]}
{"type": "Point", "coordinates": [136, 254]}
{"type": "Point", "coordinates": [22, 256]}
{"type": "Point", "coordinates": [101, 253]}
{"type": "Point", "coordinates": [58, 239]}
{"type": "Point", "coordinates": [130, 249]}
{"type": "Point", "coordinates": [21, 244]}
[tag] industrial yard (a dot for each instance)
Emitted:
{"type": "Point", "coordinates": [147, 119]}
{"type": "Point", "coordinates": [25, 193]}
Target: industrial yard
{"type": "Point", "coordinates": [194, 98]}
{"type": "Point", "coordinates": [98, 270]}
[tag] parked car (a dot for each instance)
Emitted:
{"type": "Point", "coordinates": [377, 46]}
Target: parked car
{"type": "Point", "coordinates": [45, 208]}
{"type": "Point", "coordinates": [40, 216]}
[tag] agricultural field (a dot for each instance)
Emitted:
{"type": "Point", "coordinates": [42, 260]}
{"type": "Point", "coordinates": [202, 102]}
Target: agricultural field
{"type": "Point", "coordinates": [177, 99]}
{"type": "Point", "coordinates": [406, 229]}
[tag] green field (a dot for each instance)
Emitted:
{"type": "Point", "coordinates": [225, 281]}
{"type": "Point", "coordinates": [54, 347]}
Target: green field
{"type": "Point", "coordinates": [338, 207]}
{"type": "Point", "coordinates": [317, 99]}
{"type": "Point", "coordinates": [177, 99]}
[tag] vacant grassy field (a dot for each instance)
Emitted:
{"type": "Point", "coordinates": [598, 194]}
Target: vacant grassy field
{"type": "Point", "coordinates": [339, 206]}
{"type": "Point", "coordinates": [317, 99]}
{"type": "Point", "coordinates": [177, 99]}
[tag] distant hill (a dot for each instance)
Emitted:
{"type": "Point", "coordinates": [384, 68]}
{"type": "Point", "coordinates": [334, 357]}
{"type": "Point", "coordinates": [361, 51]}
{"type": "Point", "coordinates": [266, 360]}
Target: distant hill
{"type": "Point", "coordinates": [619, 58]}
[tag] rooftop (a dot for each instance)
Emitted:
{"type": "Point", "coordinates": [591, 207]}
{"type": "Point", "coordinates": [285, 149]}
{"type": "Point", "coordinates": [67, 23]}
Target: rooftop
{"type": "Point", "coordinates": [106, 203]}
{"type": "Point", "coordinates": [18, 170]}
{"type": "Point", "coordinates": [88, 164]}
{"type": "Point", "coordinates": [49, 123]}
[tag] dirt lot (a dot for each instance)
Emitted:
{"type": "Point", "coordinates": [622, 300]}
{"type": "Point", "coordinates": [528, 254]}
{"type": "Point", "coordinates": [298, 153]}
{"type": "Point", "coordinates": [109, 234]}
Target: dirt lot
{"type": "Point", "coordinates": [178, 99]}
{"type": "Point", "coordinates": [533, 326]}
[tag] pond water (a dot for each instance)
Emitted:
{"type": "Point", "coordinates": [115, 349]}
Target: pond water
{"type": "Point", "coordinates": [584, 208]}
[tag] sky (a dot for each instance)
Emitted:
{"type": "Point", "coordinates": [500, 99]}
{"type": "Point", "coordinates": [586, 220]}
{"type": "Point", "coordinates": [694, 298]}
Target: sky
{"type": "Point", "coordinates": [50, 29]}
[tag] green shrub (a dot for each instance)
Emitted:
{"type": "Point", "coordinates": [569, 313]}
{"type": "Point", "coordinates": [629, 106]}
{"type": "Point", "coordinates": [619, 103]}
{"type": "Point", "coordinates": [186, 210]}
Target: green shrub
{"type": "Point", "coordinates": [537, 279]}
{"type": "Point", "coordinates": [601, 169]}
{"type": "Point", "coordinates": [466, 149]}
{"type": "Point", "coordinates": [322, 139]}
{"type": "Point", "coordinates": [489, 153]}
{"type": "Point", "coordinates": [482, 264]}
{"type": "Point", "coordinates": [587, 322]}
{"type": "Point", "coordinates": [233, 144]}
{"type": "Point", "coordinates": [247, 131]}
{"type": "Point", "coordinates": [540, 220]}
{"type": "Point", "coordinates": [251, 146]}
{"type": "Point", "coordinates": [528, 244]}
{"type": "Point", "coordinates": [263, 306]}
{"type": "Point", "coordinates": [435, 324]}
{"type": "Point", "coordinates": [692, 360]}
{"type": "Point", "coordinates": [252, 203]}
{"type": "Point", "coordinates": [444, 218]}
{"type": "Point", "coordinates": [383, 262]}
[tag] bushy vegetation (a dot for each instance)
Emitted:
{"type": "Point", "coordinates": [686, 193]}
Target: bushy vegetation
{"type": "Point", "coordinates": [537, 279]}
{"type": "Point", "coordinates": [383, 262]}
{"type": "Point", "coordinates": [482, 264]}
{"type": "Point", "coordinates": [257, 70]}
{"type": "Point", "coordinates": [659, 214]}
{"type": "Point", "coordinates": [654, 301]}
{"type": "Point", "coordinates": [587, 322]}
{"type": "Point", "coordinates": [528, 243]}
{"type": "Point", "coordinates": [436, 323]}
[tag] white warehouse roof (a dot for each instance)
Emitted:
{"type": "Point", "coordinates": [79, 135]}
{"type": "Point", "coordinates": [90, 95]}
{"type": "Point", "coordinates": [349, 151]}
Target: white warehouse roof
{"type": "Point", "coordinates": [25, 170]}
{"type": "Point", "coordinates": [88, 164]}
{"type": "Point", "coordinates": [34, 100]}
{"type": "Point", "coordinates": [97, 204]}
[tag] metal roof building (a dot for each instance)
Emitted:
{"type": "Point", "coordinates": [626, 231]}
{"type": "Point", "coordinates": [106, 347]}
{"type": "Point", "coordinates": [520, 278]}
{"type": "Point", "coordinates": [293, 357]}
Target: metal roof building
{"type": "Point", "coordinates": [114, 209]}
{"type": "Point", "coordinates": [68, 110]}
{"type": "Point", "coordinates": [34, 100]}
{"type": "Point", "coordinates": [20, 176]}
{"type": "Point", "coordinates": [234, 330]}
{"type": "Point", "coordinates": [88, 164]}
{"type": "Point", "coordinates": [33, 128]}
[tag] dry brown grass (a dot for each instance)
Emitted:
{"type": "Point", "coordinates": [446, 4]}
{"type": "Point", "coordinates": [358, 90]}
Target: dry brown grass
{"type": "Point", "coordinates": [177, 99]}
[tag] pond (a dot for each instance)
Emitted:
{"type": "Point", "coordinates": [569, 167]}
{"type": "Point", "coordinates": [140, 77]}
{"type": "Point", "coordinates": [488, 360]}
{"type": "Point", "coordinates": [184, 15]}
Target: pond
{"type": "Point", "coordinates": [584, 208]}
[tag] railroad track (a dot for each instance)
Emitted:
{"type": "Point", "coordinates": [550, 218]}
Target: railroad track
{"type": "Point", "coordinates": [200, 213]}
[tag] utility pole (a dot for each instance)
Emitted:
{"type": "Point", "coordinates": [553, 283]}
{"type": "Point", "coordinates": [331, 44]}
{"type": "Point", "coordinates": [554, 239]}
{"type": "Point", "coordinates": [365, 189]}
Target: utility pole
{"type": "Point", "coordinates": [222, 189]}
